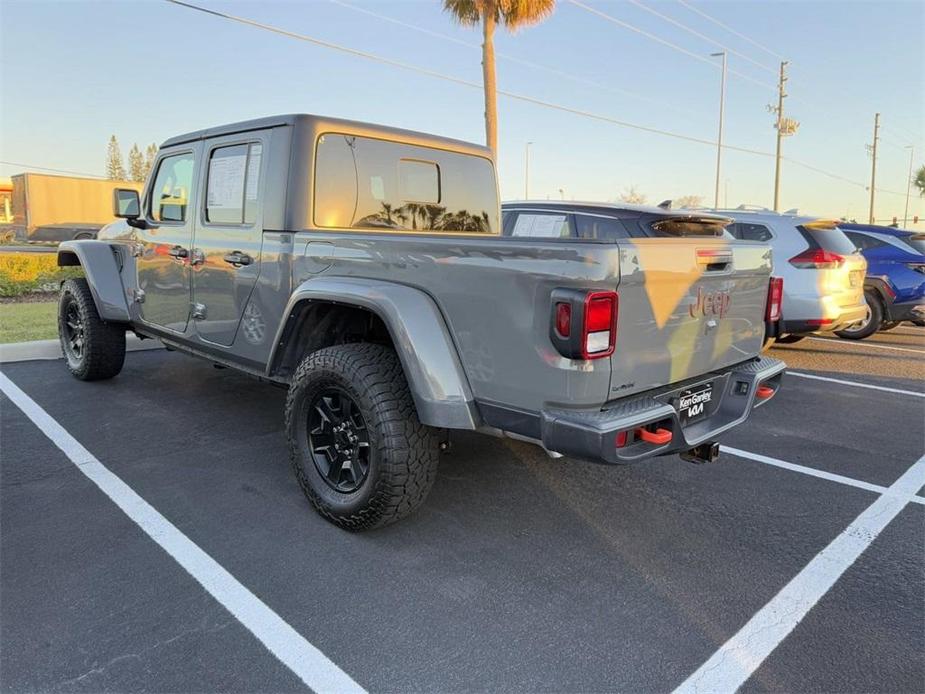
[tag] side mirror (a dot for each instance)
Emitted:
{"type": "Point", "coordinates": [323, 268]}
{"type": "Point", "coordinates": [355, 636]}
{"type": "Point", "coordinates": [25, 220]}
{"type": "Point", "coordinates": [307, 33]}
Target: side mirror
{"type": "Point", "coordinates": [125, 203]}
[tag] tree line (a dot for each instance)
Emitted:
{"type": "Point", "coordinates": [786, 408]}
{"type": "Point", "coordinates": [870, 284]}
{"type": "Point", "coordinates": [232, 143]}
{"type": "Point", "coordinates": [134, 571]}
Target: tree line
{"type": "Point", "coordinates": [139, 163]}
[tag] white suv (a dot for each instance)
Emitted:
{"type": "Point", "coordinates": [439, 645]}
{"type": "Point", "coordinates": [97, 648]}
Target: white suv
{"type": "Point", "coordinates": [822, 270]}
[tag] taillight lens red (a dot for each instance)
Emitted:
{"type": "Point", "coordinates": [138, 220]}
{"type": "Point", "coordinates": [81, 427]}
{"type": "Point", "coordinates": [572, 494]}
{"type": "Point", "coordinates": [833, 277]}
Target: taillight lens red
{"type": "Point", "coordinates": [817, 258]}
{"type": "Point", "coordinates": [563, 319]}
{"type": "Point", "coordinates": [775, 298]}
{"type": "Point", "coordinates": [599, 331]}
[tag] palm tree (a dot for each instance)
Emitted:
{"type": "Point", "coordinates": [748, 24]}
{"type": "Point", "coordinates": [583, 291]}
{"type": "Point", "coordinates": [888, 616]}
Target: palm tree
{"type": "Point", "coordinates": [919, 181]}
{"type": "Point", "coordinates": [513, 14]}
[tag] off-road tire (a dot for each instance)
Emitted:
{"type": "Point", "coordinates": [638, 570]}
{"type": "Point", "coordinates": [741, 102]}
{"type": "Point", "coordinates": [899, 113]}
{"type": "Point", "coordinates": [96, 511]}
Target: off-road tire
{"type": "Point", "coordinates": [102, 351]}
{"type": "Point", "coordinates": [789, 339]}
{"type": "Point", "coordinates": [873, 321]}
{"type": "Point", "coordinates": [403, 453]}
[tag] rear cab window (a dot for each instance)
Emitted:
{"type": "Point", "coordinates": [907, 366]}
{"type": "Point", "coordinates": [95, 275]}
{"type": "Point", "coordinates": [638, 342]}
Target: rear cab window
{"type": "Point", "coordinates": [371, 184]}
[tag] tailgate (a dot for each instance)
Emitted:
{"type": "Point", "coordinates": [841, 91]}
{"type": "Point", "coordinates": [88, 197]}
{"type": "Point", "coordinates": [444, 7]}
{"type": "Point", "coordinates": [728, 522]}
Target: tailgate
{"type": "Point", "coordinates": [688, 306]}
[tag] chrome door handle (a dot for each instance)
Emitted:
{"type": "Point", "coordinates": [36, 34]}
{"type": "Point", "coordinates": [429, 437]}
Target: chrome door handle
{"type": "Point", "coordinates": [237, 258]}
{"type": "Point", "coordinates": [178, 252]}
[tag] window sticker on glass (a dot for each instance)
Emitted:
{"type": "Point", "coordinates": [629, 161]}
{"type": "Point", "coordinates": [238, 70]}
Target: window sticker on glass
{"type": "Point", "coordinates": [418, 181]}
{"type": "Point", "coordinates": [253, 171]}
{"type": "Point", "coordinates": [377, 187]}
{"type": "Point", "coordinates": [550, 226]}
{"type": "Point", "coordinates": [226, 181]}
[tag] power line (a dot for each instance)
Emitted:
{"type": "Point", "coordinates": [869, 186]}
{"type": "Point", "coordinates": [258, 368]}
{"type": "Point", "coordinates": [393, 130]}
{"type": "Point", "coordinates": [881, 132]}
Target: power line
{"type": "Point", "coordinates": [514, 59]}
{"type": "Point", "coordinates": [46, 168]}
{"type": "Point", "coordinates": [730, 29]}
{"type": "Point", "coordinates": [664, 42]}
{"type": "Point", "coordinates": [510, 95]}
{"type": "Point", "coordinates": [706, 38]}
{"type": "Point", "coordinates": [455, 80]}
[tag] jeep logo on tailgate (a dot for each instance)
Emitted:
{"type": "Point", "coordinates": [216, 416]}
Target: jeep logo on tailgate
{"type": "Point", "coordinates": [710, 303]}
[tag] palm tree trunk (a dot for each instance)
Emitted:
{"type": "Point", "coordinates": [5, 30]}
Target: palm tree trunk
{"type": "Point", "coordinates": [489, 83]}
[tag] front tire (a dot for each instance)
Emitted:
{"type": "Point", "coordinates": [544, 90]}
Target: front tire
{"type": "Point", "coordinates": [357, 448]}
{"type": "Point", "coordinates": [93, 349]}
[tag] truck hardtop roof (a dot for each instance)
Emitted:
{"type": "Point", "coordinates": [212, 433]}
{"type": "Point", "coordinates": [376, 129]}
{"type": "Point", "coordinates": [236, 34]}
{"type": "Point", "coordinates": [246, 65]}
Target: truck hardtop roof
{"type": "Point", "coordinates": [617, 209]}
{"type": "Point", "coordinates": [322, 124]}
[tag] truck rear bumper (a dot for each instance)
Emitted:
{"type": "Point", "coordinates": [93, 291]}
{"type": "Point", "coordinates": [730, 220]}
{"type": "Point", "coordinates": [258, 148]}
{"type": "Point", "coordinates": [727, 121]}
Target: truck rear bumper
{"type": "Point", "coordinates": [615, 434]}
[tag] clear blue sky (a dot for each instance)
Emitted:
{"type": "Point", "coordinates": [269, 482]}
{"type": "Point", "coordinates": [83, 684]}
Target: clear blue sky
{"type": "Point", "coordinates": [73, 73]}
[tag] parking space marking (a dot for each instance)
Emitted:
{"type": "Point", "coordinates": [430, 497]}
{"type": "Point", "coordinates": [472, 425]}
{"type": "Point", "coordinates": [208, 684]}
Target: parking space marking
{"type": "Point", "coordinates": [736, 660]}
{"type": "Point", "coordinates": [813, 472]}
{"type": "Point", "coordinates": [856, 384]}
{"type": "Point", "coordinates": [868, 344]}
{"type": "Point", "coordinates": [291, 648]}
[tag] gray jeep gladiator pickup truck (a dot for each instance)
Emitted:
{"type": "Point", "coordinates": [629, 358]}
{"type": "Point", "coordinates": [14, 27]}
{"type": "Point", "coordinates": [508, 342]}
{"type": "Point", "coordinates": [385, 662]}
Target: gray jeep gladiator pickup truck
{"type": "Point", "coordinates": [364, 269]}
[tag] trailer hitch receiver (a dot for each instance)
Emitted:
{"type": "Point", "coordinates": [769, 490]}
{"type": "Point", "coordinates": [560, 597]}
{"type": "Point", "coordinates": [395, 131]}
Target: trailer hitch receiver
{"type": "Point", "coordinates": [704, 453]}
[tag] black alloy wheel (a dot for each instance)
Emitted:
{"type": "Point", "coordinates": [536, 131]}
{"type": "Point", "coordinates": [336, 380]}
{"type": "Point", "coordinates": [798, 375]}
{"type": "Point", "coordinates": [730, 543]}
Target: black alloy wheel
{"type": "Point", "coordinates": [74, 330]}
{"type": "Point", "coordinates": [338, 440]}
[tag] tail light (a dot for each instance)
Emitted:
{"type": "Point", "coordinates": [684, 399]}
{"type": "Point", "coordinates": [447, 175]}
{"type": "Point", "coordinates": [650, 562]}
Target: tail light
{"type": "Point", "coordinates": [775, 298]}
{"type": "Point", "coordinates": [817, 258]}
{"type": "Point", "coordinates": [584, 324]}
{"type": "Point", "coordinates": [599, 333]}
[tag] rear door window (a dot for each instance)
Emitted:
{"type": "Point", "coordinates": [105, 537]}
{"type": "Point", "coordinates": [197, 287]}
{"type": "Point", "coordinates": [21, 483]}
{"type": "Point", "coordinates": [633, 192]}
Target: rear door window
{"type": "Point", "coordinates": [232, 187]}
{"type": "Point", "coordinates": [750, 232]}
{"type": "Point", "coordinates": [602, 228]}
{"type": "Point", "coordinates": [545, 225]}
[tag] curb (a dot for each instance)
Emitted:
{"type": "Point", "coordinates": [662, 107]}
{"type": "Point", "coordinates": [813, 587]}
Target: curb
{"type": "Point", "coordinates": [51, 349]}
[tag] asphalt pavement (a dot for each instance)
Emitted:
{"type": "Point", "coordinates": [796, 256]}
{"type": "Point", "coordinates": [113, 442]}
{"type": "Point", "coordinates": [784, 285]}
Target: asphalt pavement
{"type": "Point", "coordinates": [520, 573]}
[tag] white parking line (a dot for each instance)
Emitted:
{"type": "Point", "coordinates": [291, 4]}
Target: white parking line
{"type": "Point", "coordinates": [868, 344]}
{"type": "Point", "coordinates": [732, 665]}
{"type": "Point", "coordinates": [856, 384]}
{"type": "Point", "coordinates": [813, 472]}
{"type": "Point", "coordinates": [290, 647]}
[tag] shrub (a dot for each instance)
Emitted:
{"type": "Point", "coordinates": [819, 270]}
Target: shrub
{"type": "Point", "coordinates": [22, 273]}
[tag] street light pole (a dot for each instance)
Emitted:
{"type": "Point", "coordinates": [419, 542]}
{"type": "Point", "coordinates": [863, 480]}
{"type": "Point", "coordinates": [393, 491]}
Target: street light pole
{"type": "Point", "coordinates": [527, 171]}
{"type": "Point", "coordinates": [719, 141]}
{"type": "Point", "coordinates": [908, 185]}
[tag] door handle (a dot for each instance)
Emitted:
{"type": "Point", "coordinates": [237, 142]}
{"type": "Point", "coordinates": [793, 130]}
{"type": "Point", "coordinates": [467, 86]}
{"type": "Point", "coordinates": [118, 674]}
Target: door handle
{"type": "Point", "coordinates": [237, 258]}
{"type": "Point", "coordinates": [178, 252]}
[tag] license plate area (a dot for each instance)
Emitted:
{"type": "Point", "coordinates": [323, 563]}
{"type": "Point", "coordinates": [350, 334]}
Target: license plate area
{"type": "Point", "coordinates": [695, 403]}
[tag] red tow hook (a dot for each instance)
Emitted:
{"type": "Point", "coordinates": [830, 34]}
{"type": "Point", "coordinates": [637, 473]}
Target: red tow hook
{"type": "Point", "coordinates": [764, 392]}
{"type": "Point", "coordinates": [658, 437]}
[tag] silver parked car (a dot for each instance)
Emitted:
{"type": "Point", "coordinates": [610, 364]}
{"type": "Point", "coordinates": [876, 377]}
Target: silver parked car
{"type": "Point", "coordinates": [822, 271]}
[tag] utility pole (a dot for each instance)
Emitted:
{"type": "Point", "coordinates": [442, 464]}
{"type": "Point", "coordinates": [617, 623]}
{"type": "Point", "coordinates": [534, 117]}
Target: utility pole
{"type": "Point", "coordinates": [908, 186]}
{"type": "Point", "coordinates": [781, 95]}
{"type": "Point", "coordinates": [873, 168]}
{"type": "Point", "coordinates": [719, 141]}
{"type": "Point", "coordinates": [527, 171]}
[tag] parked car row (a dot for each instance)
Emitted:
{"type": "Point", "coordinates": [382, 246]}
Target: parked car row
{"type": "Point", "coordinates": [819, 273]}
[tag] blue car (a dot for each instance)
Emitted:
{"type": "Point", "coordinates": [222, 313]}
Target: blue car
{"type": "Point", "coordinates": [895, 282]}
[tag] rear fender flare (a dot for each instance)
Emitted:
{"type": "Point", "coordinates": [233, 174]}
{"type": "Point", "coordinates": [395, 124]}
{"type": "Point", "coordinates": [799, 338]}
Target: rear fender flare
{"type": "Point", "coordinates": [419, 334]}
{"type": "Point", "coordinates": [100, 265]}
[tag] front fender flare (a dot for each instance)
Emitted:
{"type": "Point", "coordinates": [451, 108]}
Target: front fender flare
{"type": "Point", "coordinates": [98, 260]}
{"type": "Point", "coordinates": [419, 333]}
